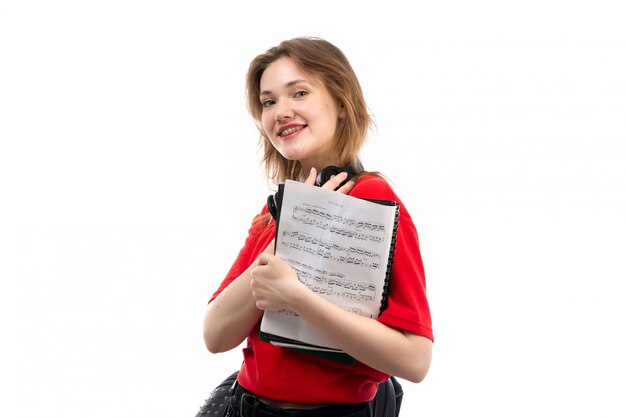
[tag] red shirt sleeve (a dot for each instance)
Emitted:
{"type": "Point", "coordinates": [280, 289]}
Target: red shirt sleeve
{"type": "Point", "coordinates": [260, 233]}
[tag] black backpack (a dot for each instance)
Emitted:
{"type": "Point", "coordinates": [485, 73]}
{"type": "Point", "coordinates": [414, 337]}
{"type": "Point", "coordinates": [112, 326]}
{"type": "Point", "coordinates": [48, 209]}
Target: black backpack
{"type": "Point", "coordinates": [386, 403]}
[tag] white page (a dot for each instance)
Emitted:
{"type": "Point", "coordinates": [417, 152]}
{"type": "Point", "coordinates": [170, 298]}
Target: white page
{"type": "Point", "coordinates": [339, 246]}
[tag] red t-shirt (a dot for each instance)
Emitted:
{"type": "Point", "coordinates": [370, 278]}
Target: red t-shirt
{"type": "Point", "coordinates": [287, 375]}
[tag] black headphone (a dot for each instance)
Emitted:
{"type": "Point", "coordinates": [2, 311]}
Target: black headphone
{"type": "Point", "coordinates": [274, 201]}
{"type": "Point", "coordinates": [330, 171]}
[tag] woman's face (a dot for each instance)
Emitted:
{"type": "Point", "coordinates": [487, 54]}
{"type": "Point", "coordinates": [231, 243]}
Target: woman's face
{"type": "Point", "coordinates": [299, 114]}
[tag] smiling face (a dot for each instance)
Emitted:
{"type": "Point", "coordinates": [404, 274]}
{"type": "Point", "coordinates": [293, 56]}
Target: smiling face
{"type": "Point", "coordinates": [299, 115]}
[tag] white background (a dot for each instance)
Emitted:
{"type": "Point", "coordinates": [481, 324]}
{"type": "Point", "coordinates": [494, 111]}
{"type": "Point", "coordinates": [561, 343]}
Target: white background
{"type": "Point", "coordinates": [129, 174]}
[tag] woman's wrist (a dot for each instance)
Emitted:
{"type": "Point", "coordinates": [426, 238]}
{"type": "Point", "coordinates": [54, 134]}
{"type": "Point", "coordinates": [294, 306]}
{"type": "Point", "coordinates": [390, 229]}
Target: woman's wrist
{"type": "Point", "coordinates": [301, 298]}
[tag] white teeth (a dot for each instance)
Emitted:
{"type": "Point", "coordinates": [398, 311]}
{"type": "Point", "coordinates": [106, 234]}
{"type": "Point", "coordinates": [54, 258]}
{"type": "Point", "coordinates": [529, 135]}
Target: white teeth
{"type": "Point", "coordinates": [291, 130]}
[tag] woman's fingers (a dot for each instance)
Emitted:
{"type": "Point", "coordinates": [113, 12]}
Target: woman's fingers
{"type": "Point", "coordinates": [264, 258]}
{"type": "Point", "coordinates": [312, 176]}
{"type": "Point", "coordinates": [336, 180]}
{"type": "Point", "coordinates": [345, 189]}
{"type": "Point", "coordinates": [332, 183]}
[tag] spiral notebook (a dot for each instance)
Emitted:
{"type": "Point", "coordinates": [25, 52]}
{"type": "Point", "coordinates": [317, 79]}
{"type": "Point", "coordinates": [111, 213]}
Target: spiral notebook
{"type": "Point", "coordinates": [342, 248]}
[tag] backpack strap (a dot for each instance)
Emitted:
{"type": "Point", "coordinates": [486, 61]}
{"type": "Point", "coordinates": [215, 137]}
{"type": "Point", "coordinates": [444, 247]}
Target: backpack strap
{"type": "Point", "coordinates": [388, 399]}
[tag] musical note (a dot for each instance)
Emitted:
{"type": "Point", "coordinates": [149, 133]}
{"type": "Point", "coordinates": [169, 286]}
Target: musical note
{"type": "Point", "coordinates": [315, 246]}
{"type": "Point", "coordinates": [333, 284]}
{"type": "Point", "coordinates": [337, 224]}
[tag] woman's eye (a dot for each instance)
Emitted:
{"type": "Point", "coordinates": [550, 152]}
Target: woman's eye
{"type": "Point", "coordinates": [267, 103]}
{"type": "Point", "coordinates": [301, 94]}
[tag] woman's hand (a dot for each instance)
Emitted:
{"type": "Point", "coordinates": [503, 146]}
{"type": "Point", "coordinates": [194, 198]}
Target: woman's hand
{"type": "Point", "coordinates": [332, 183]}
{"type": "Point", "coordinates": [274, 284]}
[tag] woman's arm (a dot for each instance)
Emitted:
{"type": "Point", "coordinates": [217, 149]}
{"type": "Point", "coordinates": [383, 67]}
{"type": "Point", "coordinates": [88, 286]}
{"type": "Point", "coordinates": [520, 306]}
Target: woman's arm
{"type": "Point", "coordinates": [232, 315]}
{"type": "Point", "coordinates": [275, 286]}
{"type": "Point", "coordinates": [386, 349]}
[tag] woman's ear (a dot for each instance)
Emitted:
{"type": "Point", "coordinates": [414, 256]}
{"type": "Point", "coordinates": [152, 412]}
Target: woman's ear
{"type": "Point", "coordinates": [342, 111]}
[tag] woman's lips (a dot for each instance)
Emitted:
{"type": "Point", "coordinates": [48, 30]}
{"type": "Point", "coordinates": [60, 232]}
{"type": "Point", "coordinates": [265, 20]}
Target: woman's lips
{"type": "Point", "coordinates": [291, 132]}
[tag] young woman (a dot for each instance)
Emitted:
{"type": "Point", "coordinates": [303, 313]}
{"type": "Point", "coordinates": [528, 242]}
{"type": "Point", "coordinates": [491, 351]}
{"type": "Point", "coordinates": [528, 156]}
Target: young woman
{"type": "Point", "coordinates": [311, 114]}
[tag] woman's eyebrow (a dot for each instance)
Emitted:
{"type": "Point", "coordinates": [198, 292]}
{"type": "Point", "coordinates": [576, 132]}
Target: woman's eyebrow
{"type": "Point", "coordinates": [289, 84]}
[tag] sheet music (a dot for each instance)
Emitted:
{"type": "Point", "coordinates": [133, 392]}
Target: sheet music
{"type": "Point", "coordinates": [339, 247]}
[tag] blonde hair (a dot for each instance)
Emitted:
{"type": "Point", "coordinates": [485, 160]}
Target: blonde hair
{"type": "Point", "coordinates": [325, 61]}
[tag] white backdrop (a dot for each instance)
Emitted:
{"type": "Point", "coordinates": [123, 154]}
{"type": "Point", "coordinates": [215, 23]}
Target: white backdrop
{"type": "Point", "coordinates": [129, 174]}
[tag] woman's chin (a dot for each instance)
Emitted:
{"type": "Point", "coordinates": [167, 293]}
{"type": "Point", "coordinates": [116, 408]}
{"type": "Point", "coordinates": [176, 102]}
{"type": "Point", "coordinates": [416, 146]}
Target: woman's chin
{"type": "Point", "coordinates": [292, 156]}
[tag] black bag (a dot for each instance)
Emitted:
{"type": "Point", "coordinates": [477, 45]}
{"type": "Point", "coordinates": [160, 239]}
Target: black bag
{"type": "Point", "coordinates": [388, 399]}
{"type": "Point", "coordinates": [216, 404]}
{"type": "Point", "coordinates": [386, 403]}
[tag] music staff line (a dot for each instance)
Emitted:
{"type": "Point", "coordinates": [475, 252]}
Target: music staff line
{"type": "Point", "coordinates": [331, 284]}
{"type": "Point", "coordinates": [351, 309]}
{"type": "Point", "coordinates": [356, 229]}
{"type": "Point", "coordinates": [329, 250]}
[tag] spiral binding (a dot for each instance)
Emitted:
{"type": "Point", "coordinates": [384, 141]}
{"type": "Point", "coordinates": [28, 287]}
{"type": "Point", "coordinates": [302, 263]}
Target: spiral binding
{"type": "Point", "coordinates": [392, 251]}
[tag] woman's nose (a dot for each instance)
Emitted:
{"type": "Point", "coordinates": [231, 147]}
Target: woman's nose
{"type": "Point", "coordinates": [283, 112]}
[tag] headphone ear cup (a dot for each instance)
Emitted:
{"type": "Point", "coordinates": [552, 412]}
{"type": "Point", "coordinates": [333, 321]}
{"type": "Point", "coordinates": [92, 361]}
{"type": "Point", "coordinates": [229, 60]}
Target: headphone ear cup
{"type": "Point", "coordinates": [330, 171]}
{"type": "Point", "coordinates": [326, 174]}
